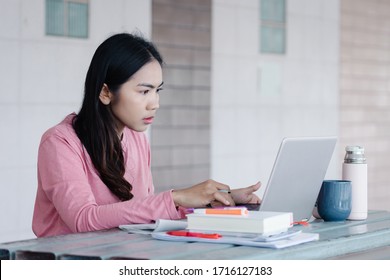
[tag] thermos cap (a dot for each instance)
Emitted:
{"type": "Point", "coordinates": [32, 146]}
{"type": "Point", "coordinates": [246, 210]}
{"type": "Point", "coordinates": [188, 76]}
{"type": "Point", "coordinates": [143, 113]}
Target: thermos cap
{"type": "Point", "coordinates": [355, 149]}
{"type": "Point", "coordinates": [354, 154]}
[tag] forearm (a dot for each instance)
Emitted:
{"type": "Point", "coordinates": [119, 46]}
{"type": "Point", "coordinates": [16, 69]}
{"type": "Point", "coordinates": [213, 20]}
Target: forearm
{"type": "Point", "coordinates": [93, 217]}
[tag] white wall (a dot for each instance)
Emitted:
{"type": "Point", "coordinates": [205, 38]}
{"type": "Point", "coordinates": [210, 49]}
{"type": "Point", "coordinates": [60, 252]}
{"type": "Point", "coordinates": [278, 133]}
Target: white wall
{"type": "Point", "coordinates": [259, 99]}
{"type": "Point", "coordinates": [41, 80]}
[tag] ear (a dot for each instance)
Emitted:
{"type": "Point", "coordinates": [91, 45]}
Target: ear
{"type": "Point", "coordinates": [105, 95]}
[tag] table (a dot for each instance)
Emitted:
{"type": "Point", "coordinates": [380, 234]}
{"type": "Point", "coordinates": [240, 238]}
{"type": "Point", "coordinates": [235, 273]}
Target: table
{"type": "Point", "coordinates": [368, 239]}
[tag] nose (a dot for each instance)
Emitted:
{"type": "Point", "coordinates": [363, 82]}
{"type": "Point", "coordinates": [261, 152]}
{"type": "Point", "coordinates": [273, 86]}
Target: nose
{"type": "Point", "coordinates": [154, 102]}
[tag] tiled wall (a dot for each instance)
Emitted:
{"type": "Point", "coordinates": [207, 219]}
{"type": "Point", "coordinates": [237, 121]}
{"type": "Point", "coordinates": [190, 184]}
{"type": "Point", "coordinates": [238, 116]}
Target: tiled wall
{"type": "Point", "coordinates": [180, 136]}
{"type": "Point", "coordinates": [365, 89]}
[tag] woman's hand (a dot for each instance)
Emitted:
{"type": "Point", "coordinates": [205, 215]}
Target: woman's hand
{"type": "Point", "coordinates": [246, 195]}
{"type": "Point", "coordinates": [202, 194]}
{"type": "Point", "coordinates": [242, 196]}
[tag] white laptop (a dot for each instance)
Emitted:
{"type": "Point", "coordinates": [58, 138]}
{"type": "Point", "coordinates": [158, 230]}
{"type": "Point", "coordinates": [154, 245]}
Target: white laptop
{"type": "Point", "coordinates": [297, 175]}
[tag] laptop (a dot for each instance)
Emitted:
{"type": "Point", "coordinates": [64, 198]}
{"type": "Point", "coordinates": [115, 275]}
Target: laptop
{"type": "Point", "coordinates": [297, 175]}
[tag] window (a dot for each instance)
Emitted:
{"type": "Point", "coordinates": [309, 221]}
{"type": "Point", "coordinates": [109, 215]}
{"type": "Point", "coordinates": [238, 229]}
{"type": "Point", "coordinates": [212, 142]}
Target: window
{"type": "Point", "coordinates": [273, 26]}
{"type": "Point", "coordinates": [68, 18]}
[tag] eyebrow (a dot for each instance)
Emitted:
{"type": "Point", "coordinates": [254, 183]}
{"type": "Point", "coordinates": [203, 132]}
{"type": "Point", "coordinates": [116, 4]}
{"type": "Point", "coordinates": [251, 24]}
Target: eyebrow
{"type": "Point", "coordinates": [149, 85]}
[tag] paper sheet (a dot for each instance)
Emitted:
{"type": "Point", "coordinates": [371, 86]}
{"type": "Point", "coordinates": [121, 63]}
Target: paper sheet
{"type": "Point", "coordinates": [159, 226]}
{"type": "Point", "coordinates": [287, 241]}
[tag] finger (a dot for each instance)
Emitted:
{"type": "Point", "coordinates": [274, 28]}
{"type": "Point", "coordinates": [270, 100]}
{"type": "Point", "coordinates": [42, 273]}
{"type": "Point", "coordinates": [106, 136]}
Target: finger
{"type": "Point", "coordinates": [216, 204]}
{"type": "Point", "coordinates": [256, 186]}
{"type": "Point", "coordinates": [224, 198]}
{"type": "Point", "coordinates": [222, 187]}
{"type": "Point", "coordinates": [253, 188]}
{"type": "Point", "coordinates": [255, 199]}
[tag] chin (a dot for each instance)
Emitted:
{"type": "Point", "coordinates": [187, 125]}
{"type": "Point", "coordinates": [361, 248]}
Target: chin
{"type": "Point", "coordinates": [139, 129]}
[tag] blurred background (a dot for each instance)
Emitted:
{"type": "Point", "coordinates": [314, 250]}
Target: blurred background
{"type": "Point", "coordinates": [239, 77]}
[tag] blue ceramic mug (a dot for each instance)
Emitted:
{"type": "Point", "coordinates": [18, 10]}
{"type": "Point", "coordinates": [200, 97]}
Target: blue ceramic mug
{"type": "Point", "coordinates": [334, 200]}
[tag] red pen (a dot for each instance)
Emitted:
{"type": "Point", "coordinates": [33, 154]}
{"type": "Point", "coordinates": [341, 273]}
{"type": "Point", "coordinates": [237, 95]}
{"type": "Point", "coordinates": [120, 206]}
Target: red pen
{"type": "Point", "coordinates": [194, 234]}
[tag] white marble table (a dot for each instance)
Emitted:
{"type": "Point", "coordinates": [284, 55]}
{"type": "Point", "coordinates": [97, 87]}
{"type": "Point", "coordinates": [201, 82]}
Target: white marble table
{"type": "Point", "coordinates": [369, 239]}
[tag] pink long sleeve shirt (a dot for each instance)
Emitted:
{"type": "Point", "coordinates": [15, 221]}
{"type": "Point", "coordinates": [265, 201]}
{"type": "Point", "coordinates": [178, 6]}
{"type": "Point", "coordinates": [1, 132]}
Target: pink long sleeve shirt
{"type": "Point", "coordinates": [71, 196]}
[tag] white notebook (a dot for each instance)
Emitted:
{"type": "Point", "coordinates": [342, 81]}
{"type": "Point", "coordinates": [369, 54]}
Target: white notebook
{"type": "Point", "coordinates": [289, 239]}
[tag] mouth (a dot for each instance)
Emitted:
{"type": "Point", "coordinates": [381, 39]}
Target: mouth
{"type": "Point", "coordinates": [148, 120]}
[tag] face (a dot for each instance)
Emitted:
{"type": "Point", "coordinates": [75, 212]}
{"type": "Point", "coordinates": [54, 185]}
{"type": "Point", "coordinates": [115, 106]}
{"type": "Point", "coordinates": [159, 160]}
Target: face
{"type": "Point", "coordinates": [136, 102]}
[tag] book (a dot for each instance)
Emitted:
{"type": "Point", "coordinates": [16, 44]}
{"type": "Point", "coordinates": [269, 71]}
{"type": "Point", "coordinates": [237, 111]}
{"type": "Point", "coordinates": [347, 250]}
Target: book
{"type": "Point", "coordinates": [287, 239]}
{"type": "Point", "coordinates": [255, 222]}
{"type": "Point", "coordinates": [159, 225]}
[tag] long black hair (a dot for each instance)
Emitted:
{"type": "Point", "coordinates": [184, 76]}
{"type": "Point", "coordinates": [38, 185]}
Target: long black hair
{"type": "Point", "coordinates": [113, 63]}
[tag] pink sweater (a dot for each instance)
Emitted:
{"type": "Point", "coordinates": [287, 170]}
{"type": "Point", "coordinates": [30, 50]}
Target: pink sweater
{"type": "Point", "coordinates": [72, 198]}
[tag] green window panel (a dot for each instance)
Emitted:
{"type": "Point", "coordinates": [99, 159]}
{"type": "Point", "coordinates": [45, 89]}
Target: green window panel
{"type": "Point", "coordinates": [273, 10]}
{"type": "Point", "coordinates": [273, 40]}
{"type": "Point", "coordinates": [78, 20]}
{"type": "Point", "coordinates": [273, 26]}
{"type": "Point", "coordinates": [55, 17]}
{"type": "Point", "coordinates": [67, 18]}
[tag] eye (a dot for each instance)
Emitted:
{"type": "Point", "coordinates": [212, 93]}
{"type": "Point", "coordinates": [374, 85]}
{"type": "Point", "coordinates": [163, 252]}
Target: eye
{"type": "Point", "coordinates": [159, 89]}
{"type": "Point", "coordinates": [145, 92]}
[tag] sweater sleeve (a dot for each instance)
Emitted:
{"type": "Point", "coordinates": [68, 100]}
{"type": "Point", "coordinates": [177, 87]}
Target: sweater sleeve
{"type": "Point", "coordinates": [63, 176]}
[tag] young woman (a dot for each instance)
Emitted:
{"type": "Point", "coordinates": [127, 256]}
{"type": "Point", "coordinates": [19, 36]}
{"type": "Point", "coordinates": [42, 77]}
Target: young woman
{"type": "Point", "coordinates": [94, 167]}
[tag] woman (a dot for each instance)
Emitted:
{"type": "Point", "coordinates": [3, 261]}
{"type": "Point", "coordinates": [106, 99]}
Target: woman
{"type": "Point", "coordinates": [94, 167]}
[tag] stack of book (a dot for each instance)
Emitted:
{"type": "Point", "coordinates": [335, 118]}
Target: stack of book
{"type": "Point", "coordinates": [239, 220]}
{"type": "Point", "coordinates": [238, 226]}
